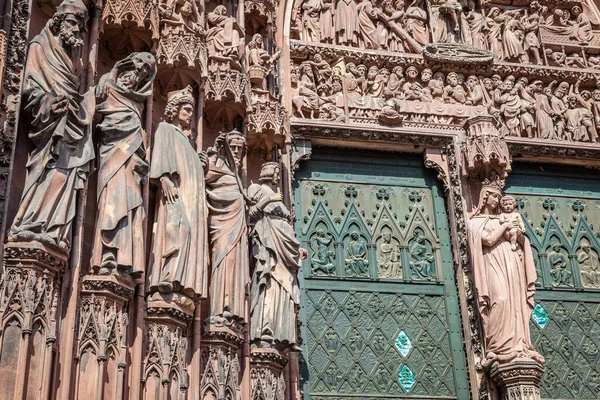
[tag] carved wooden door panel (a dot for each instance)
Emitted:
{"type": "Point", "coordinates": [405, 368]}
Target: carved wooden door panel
{"type": "Point", "coordinates": [380, 310]}
{"type": "Point", "coordinates": [561, 211]}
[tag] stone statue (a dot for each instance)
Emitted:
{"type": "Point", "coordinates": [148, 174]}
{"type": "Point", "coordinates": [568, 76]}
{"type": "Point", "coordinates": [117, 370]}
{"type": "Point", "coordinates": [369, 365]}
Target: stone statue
{"type": "Point", "coordinates": [118, 240]}
{"type": "Point", "coordinates": [260, 62]}
{"type": "Point", "coordinates": [508, 204]}
{"type": "Point", "coordinates": [274, 295]}
{"type": "Point", "coordinates": [504, 279]}
{"type": "Point", "coordinates": [223, 35]}
{"type": "Point", "coordinates": [180, 245]}
{"type": "Point", "coordinates": [179, 16]}
{"type": "Point", "coordinates": [57, 119]}
{"type": "Point", "coordinates": [227, 229]}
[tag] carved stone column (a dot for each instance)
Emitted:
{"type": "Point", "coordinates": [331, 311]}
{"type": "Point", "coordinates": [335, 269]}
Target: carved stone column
{"type": "Point", "coordinates": [221, 362]}
{"type": "Point", "coordinates": [266, 375]}
{"type": "Point", "coordinates": [30, 291]}
{"type": "Point", "coordinates": [102, 337]}
{"type": "Point", "coordinates": [165, 373]}
{"type": "Point", "coordinates": [519, 380]}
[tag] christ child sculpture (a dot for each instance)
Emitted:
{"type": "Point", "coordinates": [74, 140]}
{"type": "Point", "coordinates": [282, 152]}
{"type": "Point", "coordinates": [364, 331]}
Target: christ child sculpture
{"type": "Point", "coordinates": [508, 204]}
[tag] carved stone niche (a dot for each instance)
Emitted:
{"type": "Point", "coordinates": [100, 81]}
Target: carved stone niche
{"type": "Point", "coordinates": [259, 13]}
{"type": "Point", "coordinates": [266, 374]}
{"type": "Point", "coordinates": [30, 291]}
{"type": "Point", "coordinates": [221, 367]}
{"type": "Point", "coordinates": [165, 352]}
{"type": "Point", "coordinates": [268, 123]}
{"type": "Point", "coordinates": [227, 91]}
{"type": "Point", "coordinates": [485, 152]}
{"type": "Point", "coordinates": [519, 379]}
{"type": "Point", "coordinates": [102, 337]}
{"type": "Point", "coordinates": [128, 26]}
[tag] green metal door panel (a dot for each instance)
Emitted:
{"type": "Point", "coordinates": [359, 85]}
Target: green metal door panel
{"type": "Point", "coordinates": [379, 313]}
{"type": "Point", "coordinates": [561, 210]}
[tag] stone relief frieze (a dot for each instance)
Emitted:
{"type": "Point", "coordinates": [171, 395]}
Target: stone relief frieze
{"type": "Point", "coordinates": [386, 94]}
{"type": "Point", "coordinates": [543, 33]}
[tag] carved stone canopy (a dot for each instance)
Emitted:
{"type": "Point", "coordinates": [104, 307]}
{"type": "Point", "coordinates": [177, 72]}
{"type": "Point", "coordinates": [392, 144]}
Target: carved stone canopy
{"type": "Point", "coordinates": [485, 152]}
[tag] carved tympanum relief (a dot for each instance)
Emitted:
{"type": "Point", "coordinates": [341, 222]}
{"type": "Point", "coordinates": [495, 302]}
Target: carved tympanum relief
{"type": "Point", "coordinates": [346, 92]}
{"type": "Point", "coordinates": [563, 34]}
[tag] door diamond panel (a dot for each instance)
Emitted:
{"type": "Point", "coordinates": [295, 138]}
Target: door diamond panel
{"type": "Point", "coordinates": [380, 311]}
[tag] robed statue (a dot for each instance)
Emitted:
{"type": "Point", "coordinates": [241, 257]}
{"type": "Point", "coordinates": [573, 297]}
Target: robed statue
{"type": "Point", "coordinates": [57, 119]}
{"type": "Point", "coordinates": [504, 280]}
{"type": "Point", "coordinates": [227, 229]}
{"type": "Point", "coordinates": [274, 295]}
{"type": "Point", "coordinates": [123, 169]}
{"type": "Point", "coordinates": [180, 247]}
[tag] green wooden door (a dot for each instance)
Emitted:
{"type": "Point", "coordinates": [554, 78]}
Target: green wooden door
{"type": "Point", "coordinates": [379, 312]}
{"type": "Point", "coordinates": [561, 210]}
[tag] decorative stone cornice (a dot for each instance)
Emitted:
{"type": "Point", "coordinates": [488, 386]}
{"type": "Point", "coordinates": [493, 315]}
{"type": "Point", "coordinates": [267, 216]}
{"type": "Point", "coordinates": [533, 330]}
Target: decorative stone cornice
{"type": "Point", "coordinates": [176, 313]}
{"type": "Point", "coordinates": [35, 253]}
{"type": "Point", "coordinates": [271, 357]}
{"type": "Point", "coordinates": [110, 285]}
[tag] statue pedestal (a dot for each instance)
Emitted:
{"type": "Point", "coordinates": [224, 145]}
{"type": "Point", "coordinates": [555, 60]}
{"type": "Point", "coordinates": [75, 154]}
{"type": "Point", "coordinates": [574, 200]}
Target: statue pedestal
{"type": "Point", "coordinates": [30, 298]}
{"type": "Point", "coordinates": [266, 375]}
{"type": "Point", "coordinates": [519, 379]}
{"type": "Point", "coordinates": [221, 362]}
{"type": "Point", "coordinates": [165, 356]}
{"type": "Point", "coordinates": [102, 335]}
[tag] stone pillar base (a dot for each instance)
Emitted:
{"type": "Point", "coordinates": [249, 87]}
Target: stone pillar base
{"type": "Point", "coordinates": [102, 335]}
{"type": "Point", "coordinates": [266, 375]}
{"type": "Point", "coordinates": [221, 365]}
{"type": "Point", "coordinates": [168, 319]}
{"type": "Point", "coordinates": [30, 298]}
{"type": "Point", "coordinates": [519, 379]}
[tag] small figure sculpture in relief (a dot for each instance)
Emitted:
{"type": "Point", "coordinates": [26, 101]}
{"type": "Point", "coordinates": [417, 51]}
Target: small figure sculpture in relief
{"type": "Point", "coordinates": [504, 279]}
{"type": "Point", "coordinates": [180, 17]}
{"type": "Point", "coordinates": [448, 22]}
{"type": "Point", "coordinates": [223, 35]}
{"type": "Point", "coordinates": [118, 240]}
{"type": "Point", "coordinates": [227, 228]}
{"type": "Point", "coordinates": [558, 109]}
{"type": "Point", "coordinates": [589, 265]}
{"type": "Point", "coordinates": [512, 37]}
{"type": "Point", "coordinates": [582, 27]}
{"type": "Point", "coordinates": [367, 17]}
{"type": "Point", "coordinates": [322, 258]}
{"type": "Point", "coordinates": [57, 119]}
{"type": "Point", "coordinates": [260, 62]}
{"type": "Point", "coordinates": [357, 263]}
{"type": "Point", "coordinates": [274, 294]}
{"type": "Point", "coordinates": [312, 12]}
{"type": "Point", "coordinates": [415, 21]}
{"type": "Point", "coordinates": [346, 23]}
{"type": "Point", "coordinates": [388, 260]}
{"type": "Point", "coordinates": [422, 260]}
{"type": "Point", "coordinates": [179, 255]}
{"type": "Point", "coordinates": [453, 92]}
{"type": "Point", "coordinates": [508, 204]}
{"type": "Point", "coordinates": [559, 266]}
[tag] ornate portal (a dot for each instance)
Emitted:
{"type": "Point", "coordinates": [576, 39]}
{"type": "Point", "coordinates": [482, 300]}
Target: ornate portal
{"type": "Point", "coordinates": [301, 199]}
